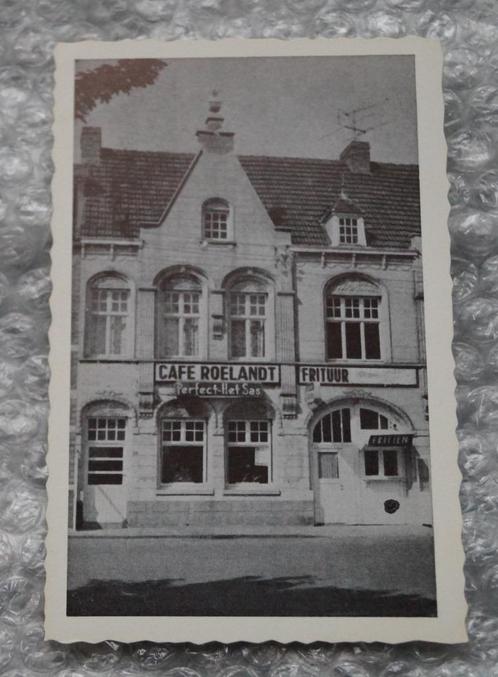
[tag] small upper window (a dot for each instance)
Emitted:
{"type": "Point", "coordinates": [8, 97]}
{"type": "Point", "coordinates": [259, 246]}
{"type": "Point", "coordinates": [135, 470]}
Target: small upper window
{"type": "Point", "coordinates": [216, 219]}
{"type": "Point", "coordinates": [348, 230]}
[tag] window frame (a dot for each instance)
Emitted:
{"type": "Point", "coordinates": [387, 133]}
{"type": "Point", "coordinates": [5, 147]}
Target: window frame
{"type": "Point", "coordinates": [109, 283]}
{"type": "Point", "coordinates": [167, 288]}
{"type": "Point", "coordinates": [344, 320]}
{"type": "Point", "coordinates": [353, 227]}
{"type": "Point", "coordinates": [250, 282]}
{"type": "Point", "coordinates": [217, 205]}
{"type": "Point", "coordinates": [183, 442]}
{"type": "Point", "coordinates": [248, 319]}
{"type": "Point", "coordinates": [381, 475]}
{"type": "Point", "coordinates": [334, 225]}
{"type": "Point", "coordinates": [105, 443]}
{"type": "Point", "coordinates": [248, 443]}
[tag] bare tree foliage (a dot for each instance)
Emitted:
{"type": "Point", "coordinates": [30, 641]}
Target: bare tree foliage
{"type": "Point", "coordinates": [100, 84]}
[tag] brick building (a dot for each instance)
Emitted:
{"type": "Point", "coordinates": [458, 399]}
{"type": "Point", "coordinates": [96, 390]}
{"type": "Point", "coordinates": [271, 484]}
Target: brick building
{"type": "Point", "coordinates": [248, 339]}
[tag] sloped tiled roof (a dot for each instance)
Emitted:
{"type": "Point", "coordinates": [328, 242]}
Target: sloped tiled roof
{"type": "Point", "coordinates": [344, 205]}
{"type": "Point", "coordinates": [129, 189]}
{"type": "Point", "coordinates": [308, 188]}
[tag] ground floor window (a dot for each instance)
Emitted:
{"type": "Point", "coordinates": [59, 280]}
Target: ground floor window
{"type": "Point", "coordinates": [249, 451]}
{"type": "Point", "coordinates": [106, 438]}
{"type": "Point", "coordinates": [183, 449]}
{"type": "Point", "coordinates": [382, 463]}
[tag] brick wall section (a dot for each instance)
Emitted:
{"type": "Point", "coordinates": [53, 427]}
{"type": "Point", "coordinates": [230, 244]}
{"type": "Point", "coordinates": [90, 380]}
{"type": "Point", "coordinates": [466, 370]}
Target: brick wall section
{"type": "Point", "coordinates": [259, 512]}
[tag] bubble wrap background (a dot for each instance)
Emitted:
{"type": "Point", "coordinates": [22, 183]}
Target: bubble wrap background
{"type": "Point", "coordinates": [29, 29]}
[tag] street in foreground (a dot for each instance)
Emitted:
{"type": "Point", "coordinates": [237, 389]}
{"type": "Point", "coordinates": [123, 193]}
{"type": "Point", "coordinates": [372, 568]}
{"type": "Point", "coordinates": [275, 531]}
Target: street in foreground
{"type": "Point", "coordinates": [343, 571]}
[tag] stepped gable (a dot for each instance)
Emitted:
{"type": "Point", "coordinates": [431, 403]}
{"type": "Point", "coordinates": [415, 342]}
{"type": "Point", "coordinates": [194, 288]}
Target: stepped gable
{"type": "Point", "coordinates": [129, 189]}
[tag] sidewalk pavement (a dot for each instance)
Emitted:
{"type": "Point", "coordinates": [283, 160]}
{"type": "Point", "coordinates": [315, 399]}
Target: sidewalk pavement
{"type": "Point", "coordinates": [325, 531]}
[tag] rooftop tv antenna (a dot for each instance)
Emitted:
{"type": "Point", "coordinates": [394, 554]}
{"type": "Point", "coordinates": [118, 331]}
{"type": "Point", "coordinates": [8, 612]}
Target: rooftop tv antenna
{"type": "Point", "coordinates": [356, 120]}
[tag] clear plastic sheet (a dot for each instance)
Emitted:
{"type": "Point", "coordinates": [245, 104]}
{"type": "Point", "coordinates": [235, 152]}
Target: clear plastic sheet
{"type": "Point", "coordinates": [468, 30]}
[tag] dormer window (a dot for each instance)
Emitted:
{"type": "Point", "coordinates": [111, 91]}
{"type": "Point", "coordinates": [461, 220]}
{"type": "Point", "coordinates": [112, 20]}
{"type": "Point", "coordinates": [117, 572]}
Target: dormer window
{"type": "Point", "coordinates": [348, 230]}
{"type": "Point", "coordinates": [217, 220]}
{"type": "Point", "coordinates": [345, 223]}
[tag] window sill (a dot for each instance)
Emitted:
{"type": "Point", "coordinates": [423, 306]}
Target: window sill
{"type": "Point", "coordinates": [353, 361]}
{"type": "Point", "coordinates": [185, 491]}
{"type": "Point", "coordinates": [251, 491]}
{"type": "Point", "coordinates": [230, 243]}
{"type": "Point", "coordinates": [106, 358]}
{"type": "Point", "coordinates": [385, 479]}
{"type": "Point", "coordinates": [262, 359]}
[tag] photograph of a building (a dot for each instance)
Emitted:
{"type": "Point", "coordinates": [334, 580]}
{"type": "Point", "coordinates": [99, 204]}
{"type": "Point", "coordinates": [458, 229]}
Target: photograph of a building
{"type": "Point", "coordinates": [248, 328]}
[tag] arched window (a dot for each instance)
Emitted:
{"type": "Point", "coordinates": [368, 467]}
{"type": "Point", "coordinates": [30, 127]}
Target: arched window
{"type": "Point", "coordinates": [333, 427]}
{"type": "Point", "coordinates": [108, 325]}
{"type": "Point", "coordinates": [179, 316]}
{"type": "Point", "coordinates": [353, 313]}
{"type": "Point", "coordinates": [248, 439]}
{"type": "Point", "coordinates": [357, 425]}
{"type": "Point", "coordinates": [248, 319]}
{"type": "Point", "coordinates": [216, 219]}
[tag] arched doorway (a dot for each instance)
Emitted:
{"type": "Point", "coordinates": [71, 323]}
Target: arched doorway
{"type": "Point", "coordinates": [353, 482]}
{"type": "Point", "coordinates": [106, 431]}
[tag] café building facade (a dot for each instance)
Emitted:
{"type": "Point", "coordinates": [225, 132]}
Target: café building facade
{"type": "Point", "coordinates": [248, 339]}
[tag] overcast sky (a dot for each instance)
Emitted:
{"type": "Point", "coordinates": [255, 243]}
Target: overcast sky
{"type": "Point", "coordinates": [275, 106]}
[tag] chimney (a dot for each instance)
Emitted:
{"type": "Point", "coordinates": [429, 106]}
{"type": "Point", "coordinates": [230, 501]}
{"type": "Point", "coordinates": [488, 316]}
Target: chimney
{"type": "Point", "coordinates": [90, 145]}
{"type": "Point", "coordinates": [356, 155]}
{"type": "Point", "coordinates": [212, 138]}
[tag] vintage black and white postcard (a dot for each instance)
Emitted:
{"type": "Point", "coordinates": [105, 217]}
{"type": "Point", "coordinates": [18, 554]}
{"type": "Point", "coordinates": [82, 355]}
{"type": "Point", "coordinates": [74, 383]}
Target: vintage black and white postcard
{"type": "Point", "coordinates": [252, 410]}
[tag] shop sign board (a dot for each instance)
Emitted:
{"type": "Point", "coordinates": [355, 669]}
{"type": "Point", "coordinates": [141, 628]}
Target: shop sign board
{"type": "Point", "coordinates": [205, 372]}
{"type": "Point", "coordinates": [218, 389]}
{"type": "Point", "coordinates": [390, 440]}
{"type": "Point", "coordinates": [308, 374]}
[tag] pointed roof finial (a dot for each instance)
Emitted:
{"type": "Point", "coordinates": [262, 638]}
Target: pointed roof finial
{"type": "Point", "coordinates": [215, 103]}
{"type": "Point", "coordinates": [344, 204]}
{"type": "Point", "coordinates": [343, 192]}
{"type": "Point", "coordinates": [212, 137]}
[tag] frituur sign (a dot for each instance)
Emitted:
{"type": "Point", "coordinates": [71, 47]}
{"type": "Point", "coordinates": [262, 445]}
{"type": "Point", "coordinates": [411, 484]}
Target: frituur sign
{"type": "Point", "coordinates": [368, 375]}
